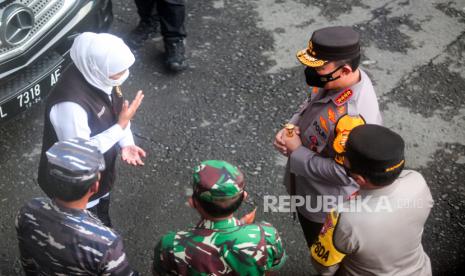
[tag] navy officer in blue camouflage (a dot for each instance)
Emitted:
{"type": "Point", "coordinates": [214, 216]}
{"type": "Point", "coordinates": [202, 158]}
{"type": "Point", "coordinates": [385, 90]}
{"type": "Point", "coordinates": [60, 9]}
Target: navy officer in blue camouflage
{"type": "Point", "coordinates": [58, 236]}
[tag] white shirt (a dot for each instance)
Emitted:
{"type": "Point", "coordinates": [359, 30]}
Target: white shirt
{"type": "Point", "coordinates": [70, 120]}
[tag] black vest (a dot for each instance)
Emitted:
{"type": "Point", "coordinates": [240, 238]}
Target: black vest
{"type": "Point", "coordinates": [101, 114]}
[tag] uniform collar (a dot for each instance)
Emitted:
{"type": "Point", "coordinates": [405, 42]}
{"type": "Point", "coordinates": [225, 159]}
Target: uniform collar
{"type": "Point", "coordinates": [220, 224]}
{"type": "Point", "coordinates": [57, 207]}
{"type": "Point", "coordinates": [385, 191]}
{"type": "Point", "coordinates": [358, 86]}
{"type": "Point", "coordinates": [340, 97]}
{"type": "Point", "coordinates": [324, 96]}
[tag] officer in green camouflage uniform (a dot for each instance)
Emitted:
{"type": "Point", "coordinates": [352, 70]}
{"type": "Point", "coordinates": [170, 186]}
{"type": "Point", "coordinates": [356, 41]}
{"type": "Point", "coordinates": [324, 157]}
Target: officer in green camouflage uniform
{"type": "Point", "coordinates": [220, 244]}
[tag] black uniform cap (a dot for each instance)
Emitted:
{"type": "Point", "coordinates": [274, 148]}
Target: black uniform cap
{"type": "Point", "coordinates": [374, 148]}
{"type": "Point", "coordinates": [75, 161]}
{"type": "Point", "coordinates": [330, 44]}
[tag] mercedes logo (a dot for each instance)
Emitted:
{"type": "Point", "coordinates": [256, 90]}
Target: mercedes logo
{"type": "Point", "coordinates": [17, 22]}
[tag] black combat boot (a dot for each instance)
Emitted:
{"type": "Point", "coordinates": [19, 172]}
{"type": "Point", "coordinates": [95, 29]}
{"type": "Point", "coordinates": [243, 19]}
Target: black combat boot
{"type": "Point", "coordinates": [174, 54]}
{"type": "Point", "coordinates": [147, 28]}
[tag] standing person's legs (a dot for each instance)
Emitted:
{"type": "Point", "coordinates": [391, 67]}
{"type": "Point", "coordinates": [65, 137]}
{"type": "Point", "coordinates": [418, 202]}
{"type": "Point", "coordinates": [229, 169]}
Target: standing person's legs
{"type": "Point", "coordinates": [172, 14]}
{"type": "Point", "coordinates": [148, 24]}
{"type": "Point", "coordinates": [310, 228]}
{"type": "Point", "coordinates": [145, 8]}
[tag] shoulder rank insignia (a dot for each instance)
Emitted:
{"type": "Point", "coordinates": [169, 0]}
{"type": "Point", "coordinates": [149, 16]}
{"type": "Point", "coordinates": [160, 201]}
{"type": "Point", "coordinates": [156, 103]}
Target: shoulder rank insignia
{"type": "Point", "coordinates": [343, 97]}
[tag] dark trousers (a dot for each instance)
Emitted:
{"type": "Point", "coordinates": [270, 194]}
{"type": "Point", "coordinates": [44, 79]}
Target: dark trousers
{"type": "Point", "coordinates": [170, 13]}
{"type": "Point", "coordinates": [310, 228]}
{"type": "Point", "coordinates": [102, 211]}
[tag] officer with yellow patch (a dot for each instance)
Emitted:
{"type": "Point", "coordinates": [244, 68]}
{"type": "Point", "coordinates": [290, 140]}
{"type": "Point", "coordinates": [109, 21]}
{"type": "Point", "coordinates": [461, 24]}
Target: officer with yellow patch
{"type": "Point", "coordinates": [380, 231]}
{"type": "Point", "coordinates": [341, 96]}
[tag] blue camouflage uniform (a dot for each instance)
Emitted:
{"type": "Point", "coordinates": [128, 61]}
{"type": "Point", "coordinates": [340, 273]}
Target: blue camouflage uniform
{"type": "Point", "coordinates": [54, 240]}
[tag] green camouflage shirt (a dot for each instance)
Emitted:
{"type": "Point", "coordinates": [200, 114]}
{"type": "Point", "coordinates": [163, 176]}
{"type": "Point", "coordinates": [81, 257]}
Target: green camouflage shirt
{"type": "Point", "coordinates": [220, 248]}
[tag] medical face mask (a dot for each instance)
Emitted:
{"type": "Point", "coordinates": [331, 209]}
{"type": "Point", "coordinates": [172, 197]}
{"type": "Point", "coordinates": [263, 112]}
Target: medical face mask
{"type": "Point", "coordinates": [118, 82]}
{"type": "Point", "coordinates": [315, 80]}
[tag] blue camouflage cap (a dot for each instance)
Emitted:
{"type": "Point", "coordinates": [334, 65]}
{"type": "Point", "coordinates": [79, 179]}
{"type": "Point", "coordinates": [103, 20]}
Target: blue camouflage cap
{"type": "Point", "coordinates": [75, 160]}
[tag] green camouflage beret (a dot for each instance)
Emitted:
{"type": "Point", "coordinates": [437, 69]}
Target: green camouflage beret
{"type": "Point", "coordinates": [217, 180]}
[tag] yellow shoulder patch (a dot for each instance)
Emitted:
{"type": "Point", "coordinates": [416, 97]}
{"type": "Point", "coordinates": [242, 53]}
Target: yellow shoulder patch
{"type": "Point", "coordinates": [323, 251]}
{"type": "Point", "coordinates": [344, 125]}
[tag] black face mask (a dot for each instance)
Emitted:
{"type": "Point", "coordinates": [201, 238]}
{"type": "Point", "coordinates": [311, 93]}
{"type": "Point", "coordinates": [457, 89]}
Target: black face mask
{"type": "Point", "coordinates": [314, 79]}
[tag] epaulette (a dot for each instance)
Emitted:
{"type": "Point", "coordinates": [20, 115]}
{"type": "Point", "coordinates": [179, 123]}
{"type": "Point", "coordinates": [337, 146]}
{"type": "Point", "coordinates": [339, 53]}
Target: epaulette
{"type": "Point", "coordinates": [343, 97]}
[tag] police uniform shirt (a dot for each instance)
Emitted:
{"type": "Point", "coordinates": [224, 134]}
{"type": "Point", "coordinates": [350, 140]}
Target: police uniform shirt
{"type": "Point", "coordinates": [384, 239]}
{"type": "Point", "coordinates": [318, 118]}
{"type": "Point", "coordinates": [54, 240]}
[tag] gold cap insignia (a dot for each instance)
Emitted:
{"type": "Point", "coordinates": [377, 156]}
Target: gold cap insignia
{"type": "Point", "coordinates": [307, 56]}
{"type": "Point", "coordinates": [310, 48]}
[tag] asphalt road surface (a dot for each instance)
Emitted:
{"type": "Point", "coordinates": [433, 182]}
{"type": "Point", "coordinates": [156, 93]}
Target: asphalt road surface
{"type": "Point", "coordinates": [243, 82]}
